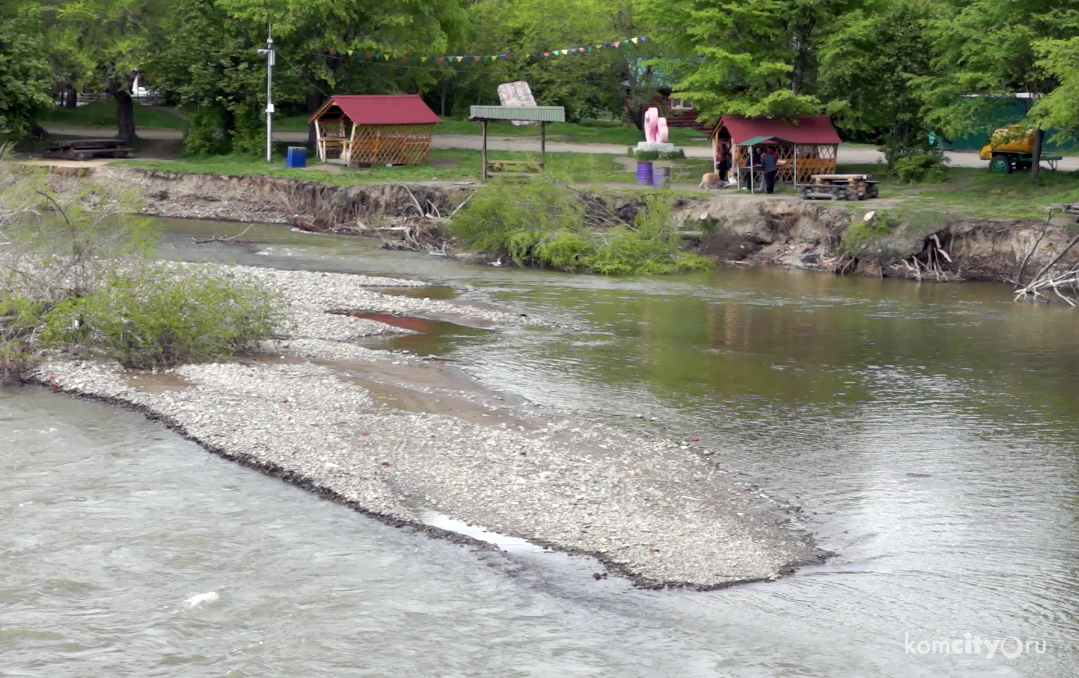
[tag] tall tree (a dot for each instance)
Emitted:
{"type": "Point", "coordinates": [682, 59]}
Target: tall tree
{"type": "Point", "coordinates": [984, 50]}
{"type": "Point", "coordinates": [25, 77]}
{"type": "Point", "coordinates": [867, 63]}
{"type": "Point", "coordinates": [109, 39]}
{"type": "Point", "coordinates": [756, 57]}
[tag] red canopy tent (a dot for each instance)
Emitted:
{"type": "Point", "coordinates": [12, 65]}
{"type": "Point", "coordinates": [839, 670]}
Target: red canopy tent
{"type": "Point", "coordinates": [809, 142]}
{"type": "Point", "coordinates": [377, 129]}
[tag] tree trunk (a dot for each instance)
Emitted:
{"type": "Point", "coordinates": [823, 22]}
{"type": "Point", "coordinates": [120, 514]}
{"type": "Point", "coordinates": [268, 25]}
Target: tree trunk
{"type": "Point", "coordinates": [125, 110]}
{"type": "Point", "coordinates": [443, 90]}
{"type": "Point", "coordinates": [314, 102]}
{"type": "Point", "coordinates": [71, 96]}
{"type": "Point", "coordinates": [1036, 161]}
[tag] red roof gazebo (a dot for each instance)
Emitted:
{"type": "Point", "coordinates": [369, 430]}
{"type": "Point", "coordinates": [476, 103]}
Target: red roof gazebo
{"type": "Point", "coordinates": [809, 142]}
{"type": "Point", "coordinates": [374, 129]}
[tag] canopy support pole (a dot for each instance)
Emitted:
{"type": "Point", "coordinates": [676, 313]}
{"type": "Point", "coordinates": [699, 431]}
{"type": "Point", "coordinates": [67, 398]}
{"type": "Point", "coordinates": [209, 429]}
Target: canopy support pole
{"type": "Point", "coordinates": [543, 146]}
{"type": "Point", "coordinates": [485, 151]}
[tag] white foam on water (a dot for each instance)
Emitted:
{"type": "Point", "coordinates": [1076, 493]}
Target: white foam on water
{"type": "Point", "coordinates": [199, 599]}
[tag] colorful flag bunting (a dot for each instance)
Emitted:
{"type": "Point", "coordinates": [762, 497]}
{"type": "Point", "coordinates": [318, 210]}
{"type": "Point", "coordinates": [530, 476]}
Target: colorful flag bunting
{"type": "Point", "coordinates": [376, 56]}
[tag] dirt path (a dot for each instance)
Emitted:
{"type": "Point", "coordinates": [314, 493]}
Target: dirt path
{"type": "Point", "coordinates": [847, 156]}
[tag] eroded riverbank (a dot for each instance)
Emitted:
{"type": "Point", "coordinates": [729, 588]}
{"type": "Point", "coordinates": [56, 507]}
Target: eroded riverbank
{"type": "Point", "coordinates": [317, 414]}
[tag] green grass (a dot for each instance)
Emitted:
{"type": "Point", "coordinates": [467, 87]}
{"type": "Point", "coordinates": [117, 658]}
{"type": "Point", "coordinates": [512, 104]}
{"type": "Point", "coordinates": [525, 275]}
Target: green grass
{"type": "Point", "coordinates": [103, 114]}
{"type": "Point", "coordinates": [446, 165]}
{"type": "Point", "coordinates": [974, 193]}
{"type": "Point", "coordinates": [587, 132]}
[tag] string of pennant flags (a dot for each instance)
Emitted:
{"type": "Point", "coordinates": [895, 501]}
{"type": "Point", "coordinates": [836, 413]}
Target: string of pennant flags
{"type": "Point", "coordinates": [447, 58]}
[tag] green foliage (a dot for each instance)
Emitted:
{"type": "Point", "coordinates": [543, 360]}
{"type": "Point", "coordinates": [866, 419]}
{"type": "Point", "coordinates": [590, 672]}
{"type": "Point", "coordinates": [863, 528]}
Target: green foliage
{"type": "Point", "coordinates": [103, 114]}
{"type": "Point", "coordinates": [752, 58]}
{"type": "Point", "coordinates": [861, 234]}
{"type": "Point", "coordinates": [587, 85]}
{"type": "Point", "coordinates": [920, 167]}
{"type": "Point", "coordinates": [159, 319]}
{"type": "Point", "coordinates": [989, 48]}
{"type": "Point", "coordinates": [867, 62]}
{"type": "Point", "coordinates": [249, 134]}
{"type": "Point", "coordinates": [678, 154]}
{"type": "Point", "coordinates": [205, 135]}
{"type": "Point", "coordinates": [25, 78]}
{"type": "Point", "coordinates": [544, 224]}
{"type": "Point", "coordinates": [76, 273]}
{"type": "Point", "coordinates": [503, 208]}
{"type": "Point", "coordinates": [1058, 109]}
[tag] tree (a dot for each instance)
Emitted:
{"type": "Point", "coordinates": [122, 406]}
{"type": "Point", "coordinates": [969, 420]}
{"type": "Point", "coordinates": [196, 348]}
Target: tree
{"type": "Point", "coordinates": [867, 63]}
{"type": "Point", "coordinates": [984, 50]}
{"type": "Point", "coordinates": [1059, 109]}
{"type": "Point", "coordinates": [25, 78]}
{"type": "Point", "coordinates": [108, 38]}
{"type": "Point", "coordinates": [586, 84]}
{"type": "Point", "coordinates": [753, 58]}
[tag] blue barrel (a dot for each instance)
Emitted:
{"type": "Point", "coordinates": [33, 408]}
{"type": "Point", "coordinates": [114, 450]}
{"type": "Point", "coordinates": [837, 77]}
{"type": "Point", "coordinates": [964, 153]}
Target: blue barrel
{"type": "Point", "coordinates": [644, 173]}
{"type": "Point", "coordinates": [661, 177]}
{"type": "Point", "coordinates": [296, 156]}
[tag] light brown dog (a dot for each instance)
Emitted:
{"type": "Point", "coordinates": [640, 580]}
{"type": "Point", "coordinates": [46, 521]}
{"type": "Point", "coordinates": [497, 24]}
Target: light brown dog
{"type": "Point", "coordinates": [709, 181]}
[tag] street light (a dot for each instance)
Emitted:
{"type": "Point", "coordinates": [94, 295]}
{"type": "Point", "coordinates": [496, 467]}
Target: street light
{"type": "Point", "coordinates": [269, 54]}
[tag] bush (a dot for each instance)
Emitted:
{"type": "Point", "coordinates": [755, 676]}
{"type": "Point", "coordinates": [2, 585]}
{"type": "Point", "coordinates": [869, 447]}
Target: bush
{"type": "Point", "coordinates": [860, 235]}
{"type": "Point", "coordinates": [205, 135]}
{"type": "Point", "coordinates": [677, 154]}
{"type": "Point", "coordinates": [543, 224]}
{"type": "Point", "coordinates": [249, 134]}
{"type": "Point", "coordinates": [149, 320]}
{"type": "Point", "coordinates": [920, 167]}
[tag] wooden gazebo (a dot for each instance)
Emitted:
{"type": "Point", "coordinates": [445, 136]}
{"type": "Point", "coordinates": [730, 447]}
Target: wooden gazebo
{"type": "Point", "coordinates": [390, 129]}
{"type": "Point", "coordinates": [806, 142]}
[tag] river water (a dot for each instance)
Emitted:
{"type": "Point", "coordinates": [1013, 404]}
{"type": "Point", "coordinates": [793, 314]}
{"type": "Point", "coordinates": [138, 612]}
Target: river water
{"type": "Point", "coordinates": [928, 431]}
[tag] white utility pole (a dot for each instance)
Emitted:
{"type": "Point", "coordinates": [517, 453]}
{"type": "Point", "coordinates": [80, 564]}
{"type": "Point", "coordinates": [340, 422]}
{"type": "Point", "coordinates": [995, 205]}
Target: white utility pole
{"type": "Point", "coordinates": [269, 53]}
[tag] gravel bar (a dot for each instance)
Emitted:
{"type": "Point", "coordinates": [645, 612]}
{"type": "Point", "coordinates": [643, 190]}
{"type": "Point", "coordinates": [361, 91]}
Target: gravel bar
{"type": "Point", "coordinates": [393, 435]}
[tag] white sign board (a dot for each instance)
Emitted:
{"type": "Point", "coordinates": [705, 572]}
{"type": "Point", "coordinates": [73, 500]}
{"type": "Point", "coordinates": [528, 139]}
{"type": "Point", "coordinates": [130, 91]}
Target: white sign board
{"type": "Point", "coordinates": [516, 94]}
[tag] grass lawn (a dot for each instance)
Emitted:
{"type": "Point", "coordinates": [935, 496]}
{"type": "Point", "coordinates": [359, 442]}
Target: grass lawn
{"type": "Point", "coordinates": [974, 193]}
{"type": "Point", "coordinates": [589, 131]}
{"type": "Point", "coordinates": [446, 165]}
{"type": "Point", "coordinates": [103, 114]}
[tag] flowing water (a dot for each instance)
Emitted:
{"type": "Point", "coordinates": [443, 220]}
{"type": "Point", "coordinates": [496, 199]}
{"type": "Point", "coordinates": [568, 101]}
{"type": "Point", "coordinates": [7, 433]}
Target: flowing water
{"type": "Point", "coordinates": [928, 431]}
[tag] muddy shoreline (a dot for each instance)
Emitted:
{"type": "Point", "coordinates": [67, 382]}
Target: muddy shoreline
{"type": "Point", "coordinates": [731, 229]}
{"type": "Point", "coordinates": [662, 513]}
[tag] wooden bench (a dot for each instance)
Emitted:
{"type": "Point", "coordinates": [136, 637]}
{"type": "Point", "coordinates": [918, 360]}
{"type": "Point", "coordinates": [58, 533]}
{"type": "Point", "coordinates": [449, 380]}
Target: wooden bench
{"type": "Point", "coordinates": [84, 149]}
{"type": "Point", "coordinates": [508, 167]}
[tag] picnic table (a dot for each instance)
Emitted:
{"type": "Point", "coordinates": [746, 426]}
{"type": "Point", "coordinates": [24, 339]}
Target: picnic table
{"type": "Point", "coordinates": [85, 149]}
{"type": "Point", "coordinates": [840, 187]}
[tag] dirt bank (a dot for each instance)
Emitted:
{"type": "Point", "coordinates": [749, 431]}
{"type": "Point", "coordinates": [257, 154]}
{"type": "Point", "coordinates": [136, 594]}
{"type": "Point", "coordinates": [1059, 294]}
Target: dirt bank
{"type": "Point", "coordinates": [730, 228]}
{"type": "Point", "coordinates": [273, 200]}
{"type": "Point", "coordinates": [812, 235]}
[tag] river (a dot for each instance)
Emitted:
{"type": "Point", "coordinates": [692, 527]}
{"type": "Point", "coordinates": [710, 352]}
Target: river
{"type": "Point", "coordinates": [928, 432]}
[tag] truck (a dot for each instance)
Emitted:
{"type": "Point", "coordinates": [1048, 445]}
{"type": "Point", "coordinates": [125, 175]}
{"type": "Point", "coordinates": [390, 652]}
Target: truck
{"type": "Point", "coordinates": [1011, 149]}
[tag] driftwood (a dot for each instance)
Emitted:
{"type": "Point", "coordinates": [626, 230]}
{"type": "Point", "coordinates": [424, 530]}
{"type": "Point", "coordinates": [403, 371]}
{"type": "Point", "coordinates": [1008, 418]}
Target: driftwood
{"type": "Point", "coordinates": [228, 239]}
{"type": "Point", "coordinates": [1063, 283]}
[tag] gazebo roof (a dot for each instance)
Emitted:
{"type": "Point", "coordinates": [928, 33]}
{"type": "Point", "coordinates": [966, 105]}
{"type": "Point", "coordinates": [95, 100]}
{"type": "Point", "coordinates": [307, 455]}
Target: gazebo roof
{"type": "Point", "coordinates": [380, 109]}
{"type": "Point", "coordinates": [799, 129]}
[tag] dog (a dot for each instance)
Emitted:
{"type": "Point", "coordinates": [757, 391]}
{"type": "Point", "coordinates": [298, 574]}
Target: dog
{"type": "Point", "coordinates": [710, 181]}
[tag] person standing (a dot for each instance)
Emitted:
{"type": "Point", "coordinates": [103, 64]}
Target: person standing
{"type": "Point", "coordinates": [723, 160]}
{"type": "Point", "coordinates": [769, 164]}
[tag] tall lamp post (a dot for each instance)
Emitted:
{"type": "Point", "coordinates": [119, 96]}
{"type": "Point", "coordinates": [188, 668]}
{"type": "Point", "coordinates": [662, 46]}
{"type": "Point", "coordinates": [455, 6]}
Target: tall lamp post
{"type": "Point", "coordinates": [269, 54]}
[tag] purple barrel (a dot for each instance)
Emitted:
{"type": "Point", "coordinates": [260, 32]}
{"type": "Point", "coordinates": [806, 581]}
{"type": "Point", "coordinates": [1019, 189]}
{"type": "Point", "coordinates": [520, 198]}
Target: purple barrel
{"type": "Point", "coordinates": [644, 173]}
{"type": "Point", "coordinates": [661, 177]}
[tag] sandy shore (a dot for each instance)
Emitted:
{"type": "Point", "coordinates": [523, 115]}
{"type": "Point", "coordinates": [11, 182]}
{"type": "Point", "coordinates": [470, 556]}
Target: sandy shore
{"type": "Point", "coordinates": [396, 435]}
